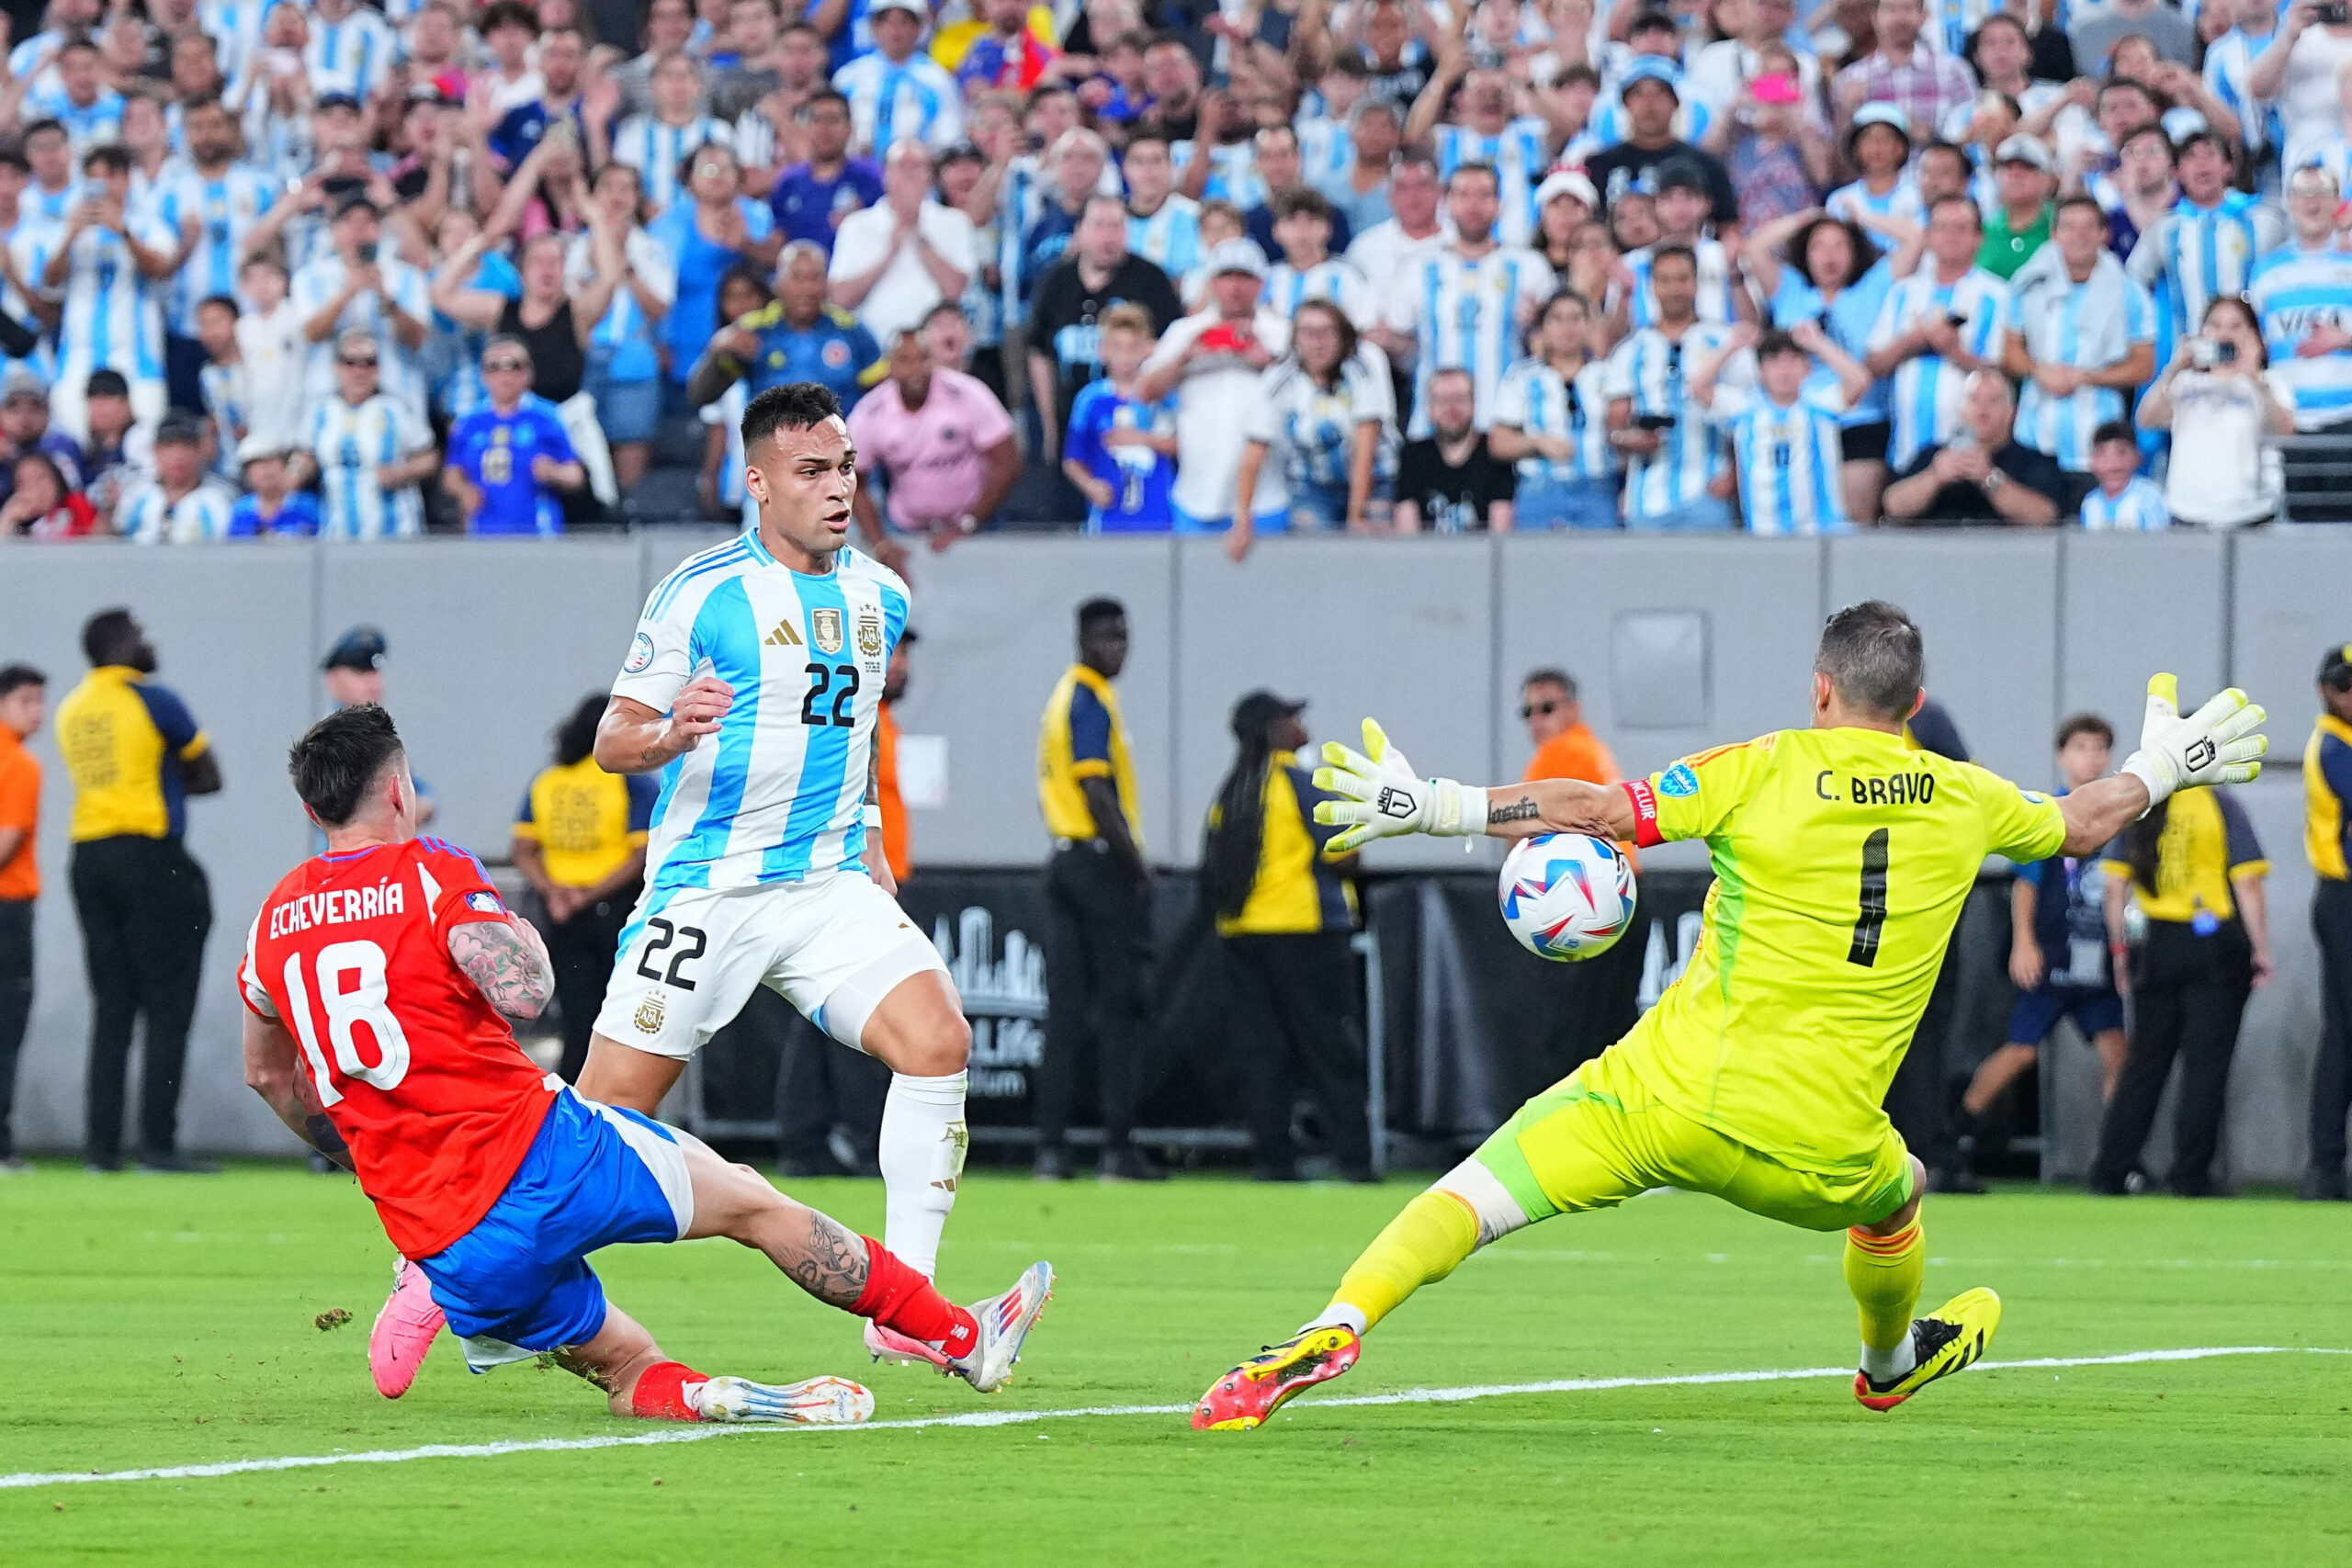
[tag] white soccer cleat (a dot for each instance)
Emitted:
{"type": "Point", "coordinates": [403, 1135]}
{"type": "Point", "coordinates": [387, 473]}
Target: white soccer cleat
{"type": "Point", "coordinates": [888, 1345]}
{"type": "Point", "coordinates": [1005, 1321]}
{"type": "Point", "coordinates": [820, 1402]}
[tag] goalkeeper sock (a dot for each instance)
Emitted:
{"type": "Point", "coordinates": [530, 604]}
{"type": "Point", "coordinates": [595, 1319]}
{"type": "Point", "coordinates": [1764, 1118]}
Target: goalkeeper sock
{"type": "Point", "coordinates": [1885, 1272]}
{"type": "Point", "coordinates": [1421, 1246]}
{"type": "Point", "coordinates": [897, 1297]}
{"type": "Point", "coordinates": [923, 1158]}
{"type": "Point", "coordinates": [661, 1392]}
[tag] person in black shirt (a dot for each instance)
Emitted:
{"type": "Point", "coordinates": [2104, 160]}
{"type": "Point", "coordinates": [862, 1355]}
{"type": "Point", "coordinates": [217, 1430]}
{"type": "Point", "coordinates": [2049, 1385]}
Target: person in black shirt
{"type": "Point", "coordinates": [1651, 97]}
{"type": "Point", "coordinates": [1064, 346]}
{"type": "Point", "coordinates": [1449, 483]}
{"type": "Point", "coordinates": [1981, 475]}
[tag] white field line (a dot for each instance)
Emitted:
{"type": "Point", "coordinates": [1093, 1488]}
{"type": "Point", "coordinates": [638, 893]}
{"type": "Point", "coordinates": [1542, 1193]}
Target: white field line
{"type": "Point", "coordinates": [694, 1434]}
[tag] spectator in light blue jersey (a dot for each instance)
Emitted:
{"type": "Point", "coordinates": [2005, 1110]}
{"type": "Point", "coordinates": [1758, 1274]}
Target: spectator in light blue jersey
{"type": "Point", "coordinates": [2122, 497]}
{"type": "Point", "coordinates": [1675, 473]}
{"type": "Point", "coordinates": [2303, 293]}
{"type": "Point", "coordinates": [2205, 247]}
{"type": "Point", "coordinates": [1552, 425]}
{"type": "Point", "coordinates": [2082, 337]}
{"type": "Point", "coordinates": [181, 504]}
{"type": "Point", "coordinates": [1785, 446]}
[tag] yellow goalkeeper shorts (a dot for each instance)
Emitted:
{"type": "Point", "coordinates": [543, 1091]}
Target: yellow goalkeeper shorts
{"type": "Point", "coordinates": [1600, 1136]}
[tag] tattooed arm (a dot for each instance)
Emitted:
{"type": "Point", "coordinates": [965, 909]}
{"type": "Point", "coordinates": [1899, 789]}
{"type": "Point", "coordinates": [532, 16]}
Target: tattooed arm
{"type": "Point", "coordinates": [634, 738]}
{"type": "Point", "coordinates": [878, 864]}
{"type": "Point", "coordinates": [508, 963]}
{"type": "Point", "coordinates": [1559, 805]}
{"type": "Point", "coordinates": [274, 1071]}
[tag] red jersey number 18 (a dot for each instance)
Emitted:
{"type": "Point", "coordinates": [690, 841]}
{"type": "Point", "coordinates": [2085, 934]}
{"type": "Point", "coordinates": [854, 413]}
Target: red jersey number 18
{"type": "Point", "coordinates": [351, 991]}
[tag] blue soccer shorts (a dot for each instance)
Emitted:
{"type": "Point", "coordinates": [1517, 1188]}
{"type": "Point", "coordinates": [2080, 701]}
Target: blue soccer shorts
{"type": "Point", "coordinates": [519, 1283]}
{"type": "Point", "coordinates": [2094, 1010]}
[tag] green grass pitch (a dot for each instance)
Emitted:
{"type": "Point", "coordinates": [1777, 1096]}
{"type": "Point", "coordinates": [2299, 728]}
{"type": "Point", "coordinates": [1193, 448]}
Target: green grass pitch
{"type": "Point", "coordinates": [162, 1321]}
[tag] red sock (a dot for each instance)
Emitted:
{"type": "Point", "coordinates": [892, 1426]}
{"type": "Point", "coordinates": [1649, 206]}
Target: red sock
{"type": "Point", "coordinates": [661, 1392]}
{"type": "Point", "coordinates": [897, 1297]}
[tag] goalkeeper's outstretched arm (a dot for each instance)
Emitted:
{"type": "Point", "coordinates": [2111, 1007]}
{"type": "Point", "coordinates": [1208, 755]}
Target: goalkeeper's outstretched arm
{"type": "Point", "coordinates": [1559, 806]}
{"type": "Point", "coordinates": [1377, 794]}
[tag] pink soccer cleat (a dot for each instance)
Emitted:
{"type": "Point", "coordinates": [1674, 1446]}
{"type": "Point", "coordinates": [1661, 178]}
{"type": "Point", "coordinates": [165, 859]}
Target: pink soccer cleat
{"type": "Point", "coordinates": [889, 1345]}
{"type": "Point", "coordinates": [404, 1331]}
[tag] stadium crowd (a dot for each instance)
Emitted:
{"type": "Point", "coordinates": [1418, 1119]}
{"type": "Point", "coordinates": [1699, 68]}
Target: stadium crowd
{"type": "Point", "coordinates": [276, 268]}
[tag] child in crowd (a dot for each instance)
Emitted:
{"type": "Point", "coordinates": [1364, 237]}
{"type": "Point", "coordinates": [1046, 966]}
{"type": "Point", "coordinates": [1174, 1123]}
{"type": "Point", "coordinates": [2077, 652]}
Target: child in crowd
{"type": "Point", "coordinates": [271, 504]}
{"type": "Point", "coordinates": [1120, 451]}
{"type": "Point", "coordinates": [273, 351]}
{"type": "Point", "coordinates": [2124, 498]}
{"type": "Point", "coordinates": [223, 382]}
{"type": "Point", "coordinates": [1789, 451]}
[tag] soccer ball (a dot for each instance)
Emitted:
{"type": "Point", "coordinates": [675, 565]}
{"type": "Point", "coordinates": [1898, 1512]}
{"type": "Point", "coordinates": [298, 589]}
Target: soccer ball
{"type": "Point", "coordinates": [1566, 895]}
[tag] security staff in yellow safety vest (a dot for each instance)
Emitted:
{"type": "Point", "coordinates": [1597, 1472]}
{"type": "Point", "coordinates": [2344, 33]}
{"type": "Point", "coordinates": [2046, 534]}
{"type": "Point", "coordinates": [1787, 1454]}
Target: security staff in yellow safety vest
{"type": "Point", "coordinates": [2327, 839]}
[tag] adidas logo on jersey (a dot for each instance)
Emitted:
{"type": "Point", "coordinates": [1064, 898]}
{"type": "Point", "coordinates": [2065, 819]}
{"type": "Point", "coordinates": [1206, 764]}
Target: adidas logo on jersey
{"type": "Point", "coordinates": [783, 636]}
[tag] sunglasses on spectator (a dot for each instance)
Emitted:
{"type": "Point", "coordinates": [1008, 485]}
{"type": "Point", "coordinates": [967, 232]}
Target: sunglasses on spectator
{"type": "Point", "coordinates": [366, 363]}
{"type": "Point", "coordinates": [1529, 710]}
{"type": "Point", "coordinates": [506, 364]}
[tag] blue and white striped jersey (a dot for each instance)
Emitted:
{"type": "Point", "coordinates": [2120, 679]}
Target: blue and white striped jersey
{"type": "Point", "coordinates": [2294, 290]}
{"type": "Point", "coordinates": [1789, 460]}
{"type": "Point", "coordinates": [1651, 370]}
{"type": "Point", "coordinates": [1716, 281]}
{"type": "Point", "coordinates": [401, 375]}
{"type": "Point", "coordinates": [2200, 253]}
{"type": "Point", "coordinates": [626, 330]}
{"type": "Point", "coordinates": [1233, 172]}
{"type": "Point", "coordinates": [1520, 153]}
{"type": "Point", "coordinates": [1924, 390]}
{"type": "Point", "coordinates": [1468, 315]}
{"type": "Point", "coordinates": [114, 313]}
{"type": "Point", "coordinates": [655, 150]}
{"type": "Point", "coordinates": [1901, 200]}
{"type": "Point", "coordinates": [1336, 278]}
{"type": "Point", "coordinates": [349, 56]}
{"type": "Point", "coordinates": [917, 99]}
{"type": "Point", "coordinates": [85, 125]}
{"type": "Point", "coordinates": [235, 26]}
{"type": "Point", "coordinates": [2140, 507]}
{"type": "Point", "coordinates": [150, 517]}
{"type": "Point", "coordinates": [230, 407]}
{"type": "Point", "coordinates": [1171, 238]}
{"type": "Point", "coordinates": [778, 794]}
{"type": "Point", "coordinates": [350, 442]}
{"type": "Point", "coordinates": [1536, 400]}
{"type": "Point", "coordinates": [1326, 150]}
{"type": "Point", "coordinates": [224, 210]}
{"type": "Point", "coordinates": [1311, 429]}
{"type": "Point", "coordinates": [2228, 66]}
{"type": "Point", "coordinates": [2091, 325]}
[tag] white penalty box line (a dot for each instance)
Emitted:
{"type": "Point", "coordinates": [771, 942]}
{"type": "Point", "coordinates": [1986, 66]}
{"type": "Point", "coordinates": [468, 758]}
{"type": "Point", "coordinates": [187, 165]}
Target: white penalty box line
{"type": "Point", "coordinates": [698, 1433]}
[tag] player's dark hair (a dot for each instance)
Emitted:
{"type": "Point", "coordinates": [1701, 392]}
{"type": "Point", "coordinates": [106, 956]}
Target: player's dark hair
{"type": "Point", "coordinates": [110, 636]}
{"type": "Point", "coordinates": [575, 738]}
{"type": "Point", "coordinates": [339, 757]}
{"type": "Point", "coordinates": [796, 406]}
{"type": "Point", "coordinates": [2084, 724]}
{"type": "Point", "coordinates": [1096, 610]}
{"type": "Point", "coordinates": [1873, 655]}
{"type": "Point", "coordinates": [1552, 675]}
{"type": "Point", "coordinates": [15, 677]}
{"type": "Point", "coordinates": [2115, 430]}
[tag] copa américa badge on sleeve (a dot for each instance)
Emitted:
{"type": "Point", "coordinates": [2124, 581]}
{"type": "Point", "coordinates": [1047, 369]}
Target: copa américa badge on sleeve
{"type": "Point", "coordinates": [641, 653]}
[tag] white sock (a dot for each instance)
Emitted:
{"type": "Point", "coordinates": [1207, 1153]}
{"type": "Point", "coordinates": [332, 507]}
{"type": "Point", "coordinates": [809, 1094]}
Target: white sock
{"type": "Point", "coordinates": [1339, 1314]}
{"type": "Point", "coordinates": [1885, 1366]}
{"type": "Point", "coordinates": [923, 1158]}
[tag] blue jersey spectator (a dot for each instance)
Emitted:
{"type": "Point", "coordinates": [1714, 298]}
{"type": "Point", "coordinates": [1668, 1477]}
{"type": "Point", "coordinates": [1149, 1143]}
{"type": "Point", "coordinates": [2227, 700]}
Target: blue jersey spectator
{"type": "Point", "coordinates": [1119, 448]}
{"type": "Point", "coordinates": [706, 233]}
{"type": "Point", "coordinates": [811, 199]}
{"type": "Point", "coordinates": [510, 460]}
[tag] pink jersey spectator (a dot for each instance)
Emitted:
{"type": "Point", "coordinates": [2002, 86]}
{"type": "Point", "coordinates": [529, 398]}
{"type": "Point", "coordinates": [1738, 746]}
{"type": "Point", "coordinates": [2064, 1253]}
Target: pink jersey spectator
{"type": "Point", "coordinates": [932, 455]}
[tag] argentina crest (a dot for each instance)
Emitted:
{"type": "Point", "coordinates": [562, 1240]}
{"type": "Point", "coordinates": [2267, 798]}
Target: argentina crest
{"type": "Point", "coordinates": [825, 629]}
{"type": "Point", "coordinates": [869, 636]}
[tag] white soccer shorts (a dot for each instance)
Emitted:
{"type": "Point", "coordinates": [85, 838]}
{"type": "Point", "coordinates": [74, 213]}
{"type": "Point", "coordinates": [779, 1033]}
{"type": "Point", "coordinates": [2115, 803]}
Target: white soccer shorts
{"type": "Point", "coordinates": [689, 958]}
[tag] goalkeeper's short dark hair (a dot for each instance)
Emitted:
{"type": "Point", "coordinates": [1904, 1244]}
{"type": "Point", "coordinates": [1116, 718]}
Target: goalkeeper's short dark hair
{"type": "Point", "coordinates": [1874, 659]}
{"type": "Point", "coordinates": [339, 757]}
{"type": "Point", "coordinates": [796, 406]}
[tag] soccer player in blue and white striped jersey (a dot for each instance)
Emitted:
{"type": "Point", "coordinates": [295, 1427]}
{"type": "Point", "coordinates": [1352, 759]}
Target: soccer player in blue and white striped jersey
{"type": "Point", "coordinates": [752, 684]}
{"type": "Point", "coordinates": [1786, 448]}
{"type": "Point", "coordinates": [1466, 307]}
{"type": "Point", "coordinates": [1675, 473]}
{"type": "Point", "coordinates": [2124, 498]}
{"type": "Point", "coordinates": [896, 93]}
{"type": "Point", "coordinates": [1941, 323]}
{"type": "Point", "coordinates": [2082, 337]}
{"type": "Point", "coordinates": [1552, 425]}
{"type": "Point", "coordinates": [2207, 245]}
{"type": "Point", "coordinates": [2301, 293]}
{"type": "Point", "coordinates": [656, 144]}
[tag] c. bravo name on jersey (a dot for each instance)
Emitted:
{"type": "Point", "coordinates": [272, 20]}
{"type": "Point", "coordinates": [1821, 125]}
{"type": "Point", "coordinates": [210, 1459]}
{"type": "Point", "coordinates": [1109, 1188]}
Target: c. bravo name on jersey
{"type": "Point", "coordinates": [335, 906]}
{"type": "Point", "coordinates": [1890, 789]}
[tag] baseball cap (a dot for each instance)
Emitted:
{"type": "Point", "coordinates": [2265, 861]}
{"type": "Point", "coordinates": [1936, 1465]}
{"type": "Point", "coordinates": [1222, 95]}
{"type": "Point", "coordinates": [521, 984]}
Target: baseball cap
{"type": "Point", "coordinates": [2335, 668]}
{"type": "Point", "coordinates": [1650, 68]}
{"type": "Point", "coordinates": [1236, 255]}
{"type": "Point", "coordinates": [1254, 712]}
{"type": "Point", "coordinates": [913, 8]}
{"type": "Point", "coordinates": [1888, 115]}
{"type": "Point", "coordinates": [22, 381]}
{"type": "Point", "coordinates": [2025, 150]}
{"type": "Point", "coordinates": [1566, 182]}
{"type": "Point", "coordinates": [253, 448]}
{"type": "Point", "coordinates": [361, 647]}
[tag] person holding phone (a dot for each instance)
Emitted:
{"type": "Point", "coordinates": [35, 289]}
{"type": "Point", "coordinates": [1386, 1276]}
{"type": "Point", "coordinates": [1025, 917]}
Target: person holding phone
{"type": "Point", "coordinates": [2222, 401]}
{"type": "Point", "coordinates": [2297, 73]}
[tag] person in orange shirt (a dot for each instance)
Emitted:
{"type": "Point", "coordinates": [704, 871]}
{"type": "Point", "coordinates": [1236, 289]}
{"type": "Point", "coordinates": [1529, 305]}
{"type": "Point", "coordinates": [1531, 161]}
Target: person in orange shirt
{"type": "Point", "coordinates": [24, 700]}
{"type": "Point", "coordinates": [895, 846]}
{"type": "Point", "coordinates": [1599, 999]}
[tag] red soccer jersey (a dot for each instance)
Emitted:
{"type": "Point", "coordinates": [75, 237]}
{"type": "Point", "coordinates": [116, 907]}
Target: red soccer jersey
{"type": "Point", "coordinates": [416, 1070]}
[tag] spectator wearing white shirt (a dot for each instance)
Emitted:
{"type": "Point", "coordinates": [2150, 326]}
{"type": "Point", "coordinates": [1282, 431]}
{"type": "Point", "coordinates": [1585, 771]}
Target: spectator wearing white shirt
{"type": "Point", "coordinates": [1325, 416]}
{"type": "Point", "coordinates": [2123, 498]}
{"type": "Point", "coordinates": [2224, 404]}
{"type": "Point", "coordinates": [109, 265]}
{"type": "Point", "coordinates": [357, 283]}
{"type": "Point", "coordinates": [1938, 325]}
{"type": "Point", "coordinates": [275, 354]}
{"type": "Point", "coordinates": [1878, 144]}
{"type": "Point", "coordinates": [624, 374]}
{"type": "Point", "coordinates": [366, 450]}
{"type": "Point", "coordinates": [656, 144]}
{"type": "Point", "coordinates": [1412, 234]}
{"type": "Point", "coordinates": [50, 196]}
{"type": "Point", "coordinates": [893, 261]}
{"type": "Point", "coordinates": [1211, 361]}
{"type": "Point", "coordinates": [896, 94]}
{"type": "Point", "coordinates": [2302, 294]}
{"type": "Point", "coordinates": [1720, 72]}
{"type": "Point", "coordinates": [1466, 307]}
{"type": "Point", "coordinates": [181, 504]}
{"type": "Point", "coordinates": [2082, 337]}
{"type": "Point", "coordinates": [1307, 270]}
{"type": "Point", "coordinates": [1682, 208]}
{"type": "Point", "coordinates": [1552, 425]}
{"type": "Point", "coordinates": [2296, 72]}
{"type": "Point", "coordinates": [234, 27]}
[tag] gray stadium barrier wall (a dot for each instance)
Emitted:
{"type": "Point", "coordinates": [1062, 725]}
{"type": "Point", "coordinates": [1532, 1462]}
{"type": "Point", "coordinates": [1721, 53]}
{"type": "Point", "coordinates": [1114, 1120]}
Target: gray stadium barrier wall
{"type": "Point", "coordinates": [1678, 643]}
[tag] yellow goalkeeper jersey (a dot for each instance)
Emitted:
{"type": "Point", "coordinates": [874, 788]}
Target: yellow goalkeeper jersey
{"type": "Point", "coordinates": [1841, 859]}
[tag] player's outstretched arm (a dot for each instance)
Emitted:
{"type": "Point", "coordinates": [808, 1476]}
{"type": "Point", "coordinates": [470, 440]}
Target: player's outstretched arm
{"type": "Point", "coordinates": [1380, 796]}
{"type": "Point", "coordinates": [2220, 743]}
{"type": "Point", "coordinates": [635, 738]}
{"type": "Point", "coordinates": [507, 961]}
{"type": "Point", "coordinates": [274, 1071]}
